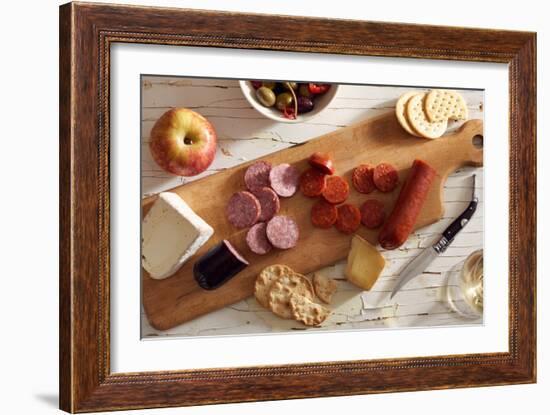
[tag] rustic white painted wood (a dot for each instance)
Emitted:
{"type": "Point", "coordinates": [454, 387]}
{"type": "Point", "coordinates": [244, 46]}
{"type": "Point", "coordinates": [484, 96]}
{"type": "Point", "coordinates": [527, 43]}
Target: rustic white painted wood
{"type": "Point", "coordinates": [243, 135]}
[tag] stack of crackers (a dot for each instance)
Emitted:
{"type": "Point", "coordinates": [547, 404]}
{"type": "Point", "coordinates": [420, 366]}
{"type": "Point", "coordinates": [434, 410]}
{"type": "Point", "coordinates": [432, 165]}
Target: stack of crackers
{"type": "Point", "coordinates": [290, 295]}
{"type": "Point", "coordinates": [427, 115]}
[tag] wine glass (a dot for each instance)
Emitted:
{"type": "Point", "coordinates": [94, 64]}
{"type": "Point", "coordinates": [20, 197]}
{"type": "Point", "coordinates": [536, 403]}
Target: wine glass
{"type": "Point", "coordinates": [464, 286]}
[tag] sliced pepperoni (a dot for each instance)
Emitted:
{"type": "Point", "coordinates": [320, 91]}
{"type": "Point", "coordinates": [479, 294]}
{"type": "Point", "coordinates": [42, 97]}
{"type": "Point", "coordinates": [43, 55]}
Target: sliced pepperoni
{"type": "Point", "coordinates": [372, 213]}
{"type": "Point", "coordinates": [362, 178]}
{"type": "Point", "coordinates": [312, 183]}
{"type": "Point", "coordinates": [243, 209]}
{"type": "Point", "coordinates": [284, 179]}
{"type": "Point", "coordinates": [269, 203]}
{"type": "Point", "coordinates": [336, 190]}
{"type": "Point", "coordinates": [349, 218]}
{"type": "Point", "coordinates": [282, 232]}
{"type": "Point", "coordinates": [323, 214]}
{"type": "Point", "coordinates": [322, 162]}
{"type": "Point", "coordinates": [385, 177]}
{"type": "Point", "coordinates": [257, 175]}
{"type": "Point", "coordinates": [256, 239]}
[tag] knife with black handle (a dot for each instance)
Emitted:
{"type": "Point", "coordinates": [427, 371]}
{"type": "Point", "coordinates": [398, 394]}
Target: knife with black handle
{"type": "Point", "coordinates": [421, 262]}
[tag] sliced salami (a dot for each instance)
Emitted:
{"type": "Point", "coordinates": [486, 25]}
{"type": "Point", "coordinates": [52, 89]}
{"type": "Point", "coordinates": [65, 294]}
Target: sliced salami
{"type": "Point", "coordinates": [372, 213]}
{"type": "Point", "coordinates": [312, 182]}
{"type": "Point", "coordinates": [349, 218]}
{"type": "Point", "coordinates": [385, 177]}
{"type": "Point", "coordinates": [323, 214]}
{"type": "Point", "coordinates": [362, 178]}
{"type": "Point", "coordinates": [243, 209]}
{"type": "Point", "coordinates": [284, 179]}
{"type": "Point", "coordinates": [269, 203]}
{"type": "Point", "coordinates": [336, 190]}
{"type": "Point", "coordinates": [257, 175]}
{"type": "Point", "coordinates": [256, 239]}
{"type": "Point", "coordinates": [322, 162]}
{"type": "Point", "coordinates": [282, 232]}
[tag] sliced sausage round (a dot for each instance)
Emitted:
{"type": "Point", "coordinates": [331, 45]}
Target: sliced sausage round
{"type": "Point", "coordinates": [243, 209]}
{"type": "Point", "coordinates": [323, 214]}
{"type": "Point", "coordinates": [257, 175]}
{"type": "Point", "coordinates": [372, 213]}
{"type": "Point", "coordinates": [284, 179]}
{"type": "Point", "coordinates": [362, 178]}
{"type": "Point", "coordinates": [385, 177]}
{"type": "Point", "coordinates": [269, 203]}
{"type": "Point", "coordinates": [282, 232]}
{"type": "Point", "coordinates": [349, 218]}
{"type": "Point", "coordinates": [312, 182]}
{"type": "Point", "coordinates": [321, 162]}
{"type": "Point", "coordinates": [336, 190]}
{"type": "Point", "coordinates": [256, 239]}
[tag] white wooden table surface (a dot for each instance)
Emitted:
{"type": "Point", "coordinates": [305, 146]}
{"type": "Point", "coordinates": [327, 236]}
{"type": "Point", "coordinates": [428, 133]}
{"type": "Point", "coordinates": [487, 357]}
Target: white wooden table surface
{"type": "Point", "coordinates": [244, 135]}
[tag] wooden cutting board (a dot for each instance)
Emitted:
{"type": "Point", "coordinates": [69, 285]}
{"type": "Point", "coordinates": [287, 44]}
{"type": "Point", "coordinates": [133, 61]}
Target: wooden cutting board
{"type": "Point", "coordinates": [178, 298]}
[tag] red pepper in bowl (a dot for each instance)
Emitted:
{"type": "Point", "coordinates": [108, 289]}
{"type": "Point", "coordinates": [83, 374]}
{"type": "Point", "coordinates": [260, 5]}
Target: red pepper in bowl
{"type": "Point", "coordinates": [317, 89]}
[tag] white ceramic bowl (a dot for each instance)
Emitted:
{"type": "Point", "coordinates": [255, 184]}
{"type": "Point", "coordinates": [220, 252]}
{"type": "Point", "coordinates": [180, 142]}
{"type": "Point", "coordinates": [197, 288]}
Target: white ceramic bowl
{"type": "Point", "coordinates": [321, 102]}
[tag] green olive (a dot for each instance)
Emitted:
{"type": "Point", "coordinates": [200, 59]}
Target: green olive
{"type": "Point", "coordinates": [266, 96]}
{"type": "Point", "coordinates": [284, 100]}
{"type": "Point", "coordinates": [290, 85]}
{"type": "Point", "coordinates": [304, 91]}
{"type": "Point", "coordinates": [269, 85]}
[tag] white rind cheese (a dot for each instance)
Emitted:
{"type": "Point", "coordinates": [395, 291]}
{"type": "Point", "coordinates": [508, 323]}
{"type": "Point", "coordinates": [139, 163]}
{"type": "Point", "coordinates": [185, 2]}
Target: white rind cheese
{"type": "Point", "coordinates": [171, 233]}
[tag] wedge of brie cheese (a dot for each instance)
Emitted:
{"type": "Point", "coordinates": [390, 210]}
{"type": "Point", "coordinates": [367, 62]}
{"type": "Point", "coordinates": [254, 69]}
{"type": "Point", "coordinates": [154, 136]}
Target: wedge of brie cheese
{"type": "Point", "coordinates": [170, 234]}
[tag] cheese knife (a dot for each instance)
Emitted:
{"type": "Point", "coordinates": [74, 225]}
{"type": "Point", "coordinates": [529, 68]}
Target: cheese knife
{"type": "Point", "coordinates": [421, 262]}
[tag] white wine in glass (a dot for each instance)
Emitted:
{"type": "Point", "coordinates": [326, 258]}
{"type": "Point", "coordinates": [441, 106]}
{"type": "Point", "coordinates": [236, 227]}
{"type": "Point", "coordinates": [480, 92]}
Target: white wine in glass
{"type": "Point", "coordinates": [465, 286]}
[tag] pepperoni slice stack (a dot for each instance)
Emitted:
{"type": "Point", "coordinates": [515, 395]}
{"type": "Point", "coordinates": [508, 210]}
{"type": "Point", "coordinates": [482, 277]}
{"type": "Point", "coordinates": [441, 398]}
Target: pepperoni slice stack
{"type": "Point", "coordinates": [320, 180]}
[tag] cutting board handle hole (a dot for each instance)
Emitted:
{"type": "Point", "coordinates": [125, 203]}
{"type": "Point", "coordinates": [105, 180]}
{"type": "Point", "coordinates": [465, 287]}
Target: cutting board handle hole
{"type": "Point", "coordinates": [477, 141]}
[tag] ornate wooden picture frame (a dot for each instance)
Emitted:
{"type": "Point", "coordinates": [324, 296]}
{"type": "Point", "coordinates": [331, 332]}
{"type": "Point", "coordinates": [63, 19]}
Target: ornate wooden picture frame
{"type": "Point", "coordinates": [87, 32]}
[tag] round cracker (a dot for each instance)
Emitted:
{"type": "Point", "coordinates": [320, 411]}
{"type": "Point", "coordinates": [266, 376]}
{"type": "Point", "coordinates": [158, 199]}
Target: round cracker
{"type": "Point", "coordinates": [266, 278]}
{"type": "Point", "coordinates": [324, 287]}
{"type": "Point", "coordinates": [400, 112]}
{"type": "Point", "coordinates": [283, 288]}
{"type": "Point", "coordinates": [306, 311]}
{"type": "Point", "coordinates": [441, 105]}
{"type": "Point", "coordinates": [419, 122]}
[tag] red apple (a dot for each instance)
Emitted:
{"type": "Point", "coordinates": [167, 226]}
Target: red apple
{"type": "Point", "coordinates": [183, 142]}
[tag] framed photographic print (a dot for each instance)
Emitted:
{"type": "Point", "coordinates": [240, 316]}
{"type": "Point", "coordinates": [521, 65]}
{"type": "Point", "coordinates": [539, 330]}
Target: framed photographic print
{"type": "Point", "coordinates": [247, 216]}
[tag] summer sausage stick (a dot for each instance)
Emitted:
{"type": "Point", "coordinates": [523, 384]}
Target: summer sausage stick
{"type": "Point", "coordinates": [413, 194]}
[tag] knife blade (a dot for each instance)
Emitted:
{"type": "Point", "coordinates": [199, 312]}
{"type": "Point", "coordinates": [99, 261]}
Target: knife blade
{"type": "Point", "coordinates": [415, 268]}
{"type": "Point", "coordinates": [421, 262]}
